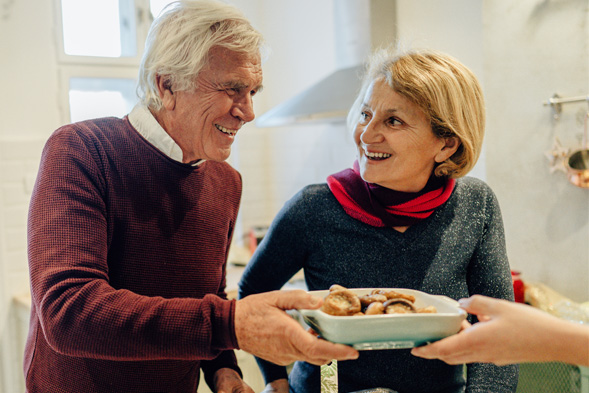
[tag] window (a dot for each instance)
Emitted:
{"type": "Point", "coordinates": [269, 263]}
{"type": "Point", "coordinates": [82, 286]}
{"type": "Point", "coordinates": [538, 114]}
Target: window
{"type": "Point", "coordinates": [105, 29]}
{"type": "Point", "coordinates": [98, 97]}
{"type": "Point", "coordinates": [99, 50]}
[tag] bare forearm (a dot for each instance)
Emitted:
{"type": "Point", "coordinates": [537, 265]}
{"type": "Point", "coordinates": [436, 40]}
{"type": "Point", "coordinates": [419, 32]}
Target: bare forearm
{"type": "Point", "coordinates": [511, 333]}
{"type": "Point", "coordinates": [572, 344]}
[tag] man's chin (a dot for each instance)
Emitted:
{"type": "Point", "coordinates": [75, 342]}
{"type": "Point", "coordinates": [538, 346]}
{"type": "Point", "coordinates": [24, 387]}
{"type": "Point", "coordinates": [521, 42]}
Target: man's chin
{"type": "Point", "coordinates": [221, 156]}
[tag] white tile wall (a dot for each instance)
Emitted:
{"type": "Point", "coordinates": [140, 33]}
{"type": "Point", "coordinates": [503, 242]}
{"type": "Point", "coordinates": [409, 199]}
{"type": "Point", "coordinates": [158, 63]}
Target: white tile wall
{"type": "Point", "coordinates": [19, 160]}
{"type": "Point", "coordinates": [277, 163]}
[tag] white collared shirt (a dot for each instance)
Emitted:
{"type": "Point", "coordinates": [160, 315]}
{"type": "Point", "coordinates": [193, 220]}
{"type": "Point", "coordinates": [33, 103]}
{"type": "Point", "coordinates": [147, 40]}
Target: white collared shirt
{"type": "Point", "coordinates": [148, 127]}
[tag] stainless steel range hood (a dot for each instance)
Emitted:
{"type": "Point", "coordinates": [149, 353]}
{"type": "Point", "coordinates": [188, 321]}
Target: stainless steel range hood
{"type": "Point", "coordinates": [327, 101]}
{"type": "Point", "coordinates": [359, 26]}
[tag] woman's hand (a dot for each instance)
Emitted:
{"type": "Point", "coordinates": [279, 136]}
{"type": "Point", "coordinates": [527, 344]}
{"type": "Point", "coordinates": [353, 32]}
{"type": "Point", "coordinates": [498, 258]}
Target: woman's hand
{"type": "Point", "coordinates": [228, 380]}
{"type": "Point", "coordinates": [278, 386]}
{"type": "Point", "coordinates": [509, 333]}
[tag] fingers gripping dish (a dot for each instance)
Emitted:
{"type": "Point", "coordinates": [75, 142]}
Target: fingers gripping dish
{"type": "Point", "coordinates": [341, 301]}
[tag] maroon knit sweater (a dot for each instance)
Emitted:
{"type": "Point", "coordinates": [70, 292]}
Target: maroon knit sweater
{"type": "Point", "coordinates": [127, 255]}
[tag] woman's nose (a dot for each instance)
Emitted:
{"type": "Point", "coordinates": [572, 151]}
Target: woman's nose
{"type": "Point", "coordinates": [369, 133]}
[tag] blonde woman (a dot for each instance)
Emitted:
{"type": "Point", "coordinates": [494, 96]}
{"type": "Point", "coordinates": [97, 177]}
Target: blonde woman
{"type": "Point", "coordinates": [404, 216]}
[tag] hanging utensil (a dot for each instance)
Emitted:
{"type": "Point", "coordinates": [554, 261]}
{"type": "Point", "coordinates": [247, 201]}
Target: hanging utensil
{"type": "Point", "coordinates": [578, 162]}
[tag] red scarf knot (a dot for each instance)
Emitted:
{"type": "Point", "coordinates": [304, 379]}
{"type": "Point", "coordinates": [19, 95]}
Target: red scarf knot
{"type": "Point", "coordinates": [382, 207]}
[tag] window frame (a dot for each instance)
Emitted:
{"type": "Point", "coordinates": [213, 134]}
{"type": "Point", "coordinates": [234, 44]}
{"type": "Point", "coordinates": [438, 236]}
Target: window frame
{"type": "Point", "coordinates": [66, 72]}
{"type": "Point", "coordinates": [72, 66]}
{"type": "Point", "coordinates": [143, 21]}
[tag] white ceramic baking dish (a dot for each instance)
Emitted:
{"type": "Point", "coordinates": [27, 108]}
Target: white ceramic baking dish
{"type": "Point", "coordinates": [389, 331]}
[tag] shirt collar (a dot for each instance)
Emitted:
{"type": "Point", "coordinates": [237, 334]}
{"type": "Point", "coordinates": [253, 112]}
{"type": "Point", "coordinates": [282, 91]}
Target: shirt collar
{"type": "Point", "coordinates": [147, 126]}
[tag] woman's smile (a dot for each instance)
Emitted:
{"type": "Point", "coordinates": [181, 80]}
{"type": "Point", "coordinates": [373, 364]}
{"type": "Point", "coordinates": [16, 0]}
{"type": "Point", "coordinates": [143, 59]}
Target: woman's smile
{"type": "Point", "coordinates": [376, 156]}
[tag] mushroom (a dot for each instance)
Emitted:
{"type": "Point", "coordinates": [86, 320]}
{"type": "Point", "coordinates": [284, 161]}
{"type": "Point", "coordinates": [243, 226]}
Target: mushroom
{"type": "Point", "coordinates": [341, 302]}
{"type": "Point", "coordinates": [374, 308]}
{"type": "Point", "coordinates": [366, 300]}
{"type": "Point", "coordinates": [398, 306]}
{"type": "Point", "coordinates": [394, 295]}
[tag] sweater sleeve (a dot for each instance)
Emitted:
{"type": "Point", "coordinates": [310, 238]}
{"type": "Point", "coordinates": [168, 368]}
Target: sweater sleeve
{"type": "Point", "coordinates": [226, 359]}
{"type": "Point", "coordinates": [489, 274]}
{"type": "Point", "coordinates": [278, 257]}
{"type": "Point", "coordinates": [79, 312]}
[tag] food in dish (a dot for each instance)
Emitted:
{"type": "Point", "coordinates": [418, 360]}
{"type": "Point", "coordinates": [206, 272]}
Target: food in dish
{"type": "Point", "coordinates": [388, 331]}
{"type": "Point", "coordinates": [341, 301]}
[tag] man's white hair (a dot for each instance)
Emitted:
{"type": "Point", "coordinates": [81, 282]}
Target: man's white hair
{"type": "Point", "coordinates": [180, 39]}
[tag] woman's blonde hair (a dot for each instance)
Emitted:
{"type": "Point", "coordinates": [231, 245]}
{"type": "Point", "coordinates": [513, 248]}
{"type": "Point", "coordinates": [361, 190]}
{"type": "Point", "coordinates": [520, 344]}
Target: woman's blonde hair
{"type": "Point", "coordinates": [448, 93]}
{"type": "Point", "coordinates": [179, 41]}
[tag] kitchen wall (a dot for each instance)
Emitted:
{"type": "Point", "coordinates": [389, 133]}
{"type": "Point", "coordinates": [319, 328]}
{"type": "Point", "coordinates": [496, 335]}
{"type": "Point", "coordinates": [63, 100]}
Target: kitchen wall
{"type": "Point", "coordinates": [277, 162]}
{"type": "Point", "coordinates": [523, 52]}
{"type": "Point", "coordinates": [533, 49]}
{"type": "Point", "coordinates": [28, 113]}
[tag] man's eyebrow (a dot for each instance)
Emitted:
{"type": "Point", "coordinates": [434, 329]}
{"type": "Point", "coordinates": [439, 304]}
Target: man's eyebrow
{"type": "Point", "coordinates": [240, 86]}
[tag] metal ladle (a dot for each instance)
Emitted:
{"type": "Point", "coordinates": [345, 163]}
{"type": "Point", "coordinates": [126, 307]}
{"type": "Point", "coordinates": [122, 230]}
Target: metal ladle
{"type": "Point", "coordinates": [578, 162]}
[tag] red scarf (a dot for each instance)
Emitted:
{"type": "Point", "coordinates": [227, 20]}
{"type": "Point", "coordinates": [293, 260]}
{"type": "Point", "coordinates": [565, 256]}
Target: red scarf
{"type": "Point", "coordinates": [382, 207]}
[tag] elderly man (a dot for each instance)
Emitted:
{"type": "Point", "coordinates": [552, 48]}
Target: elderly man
{"type": "Point", "coordinates": [131, 221]}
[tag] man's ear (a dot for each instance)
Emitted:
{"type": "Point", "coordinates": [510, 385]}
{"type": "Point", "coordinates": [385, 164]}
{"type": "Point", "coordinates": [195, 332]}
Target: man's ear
{"type": "Point", "coordinates": [451, 144]}
{"type": "Point", "coordinates": [164, 87]}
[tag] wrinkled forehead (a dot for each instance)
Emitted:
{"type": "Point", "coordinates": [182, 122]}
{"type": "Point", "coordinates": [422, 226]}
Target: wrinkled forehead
{"type": "Point", "coordinates": [227, 66]}
{"type": "Point", "coordinates": [379, 94]}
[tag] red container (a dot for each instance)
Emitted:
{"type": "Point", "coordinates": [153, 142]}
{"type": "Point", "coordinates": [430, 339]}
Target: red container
{"type": "Point", "coordinates": [518, 287]}
{"type": "Point", "coordinates": [255, 237]}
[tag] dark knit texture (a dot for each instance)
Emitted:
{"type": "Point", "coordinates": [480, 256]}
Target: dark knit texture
{"type": "Point", "coordinates": [127, 254]}
{"type": "Point", "coordinates": [458, 251]}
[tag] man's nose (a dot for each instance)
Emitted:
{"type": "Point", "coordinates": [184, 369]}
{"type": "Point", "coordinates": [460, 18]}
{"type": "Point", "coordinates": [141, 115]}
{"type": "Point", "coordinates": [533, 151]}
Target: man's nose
{"type": "Point", "coordinates": [244, 109]}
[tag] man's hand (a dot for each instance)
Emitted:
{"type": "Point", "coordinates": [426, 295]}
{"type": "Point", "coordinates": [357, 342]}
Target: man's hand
{"type": "Point", "coordinates": [228, 380]}
{"type": "Point", "coordinates": [265, 330]}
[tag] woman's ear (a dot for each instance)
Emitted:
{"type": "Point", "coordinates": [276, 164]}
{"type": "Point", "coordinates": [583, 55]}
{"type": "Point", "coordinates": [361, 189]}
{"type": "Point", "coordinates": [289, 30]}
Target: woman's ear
{"type": "Point", "coordinates": [164, 87]}
{"type": "Point", "coordinates": [451, 144]}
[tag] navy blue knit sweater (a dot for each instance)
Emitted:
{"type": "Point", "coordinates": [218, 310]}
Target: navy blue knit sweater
{"type": "Point", "coordinates": [458, 251]}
